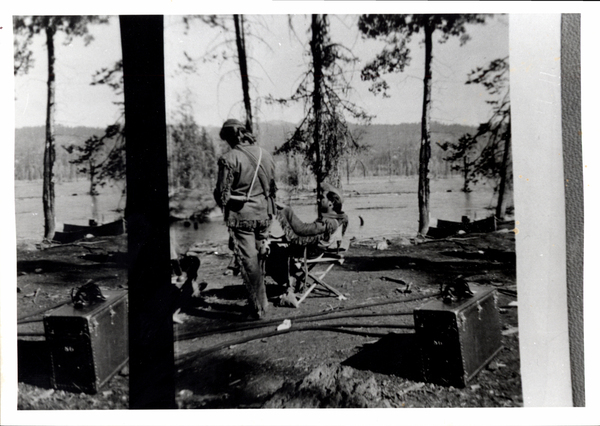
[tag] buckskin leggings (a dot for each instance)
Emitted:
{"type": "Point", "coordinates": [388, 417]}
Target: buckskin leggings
{"type": "Point", "coordinates": [245, 245]}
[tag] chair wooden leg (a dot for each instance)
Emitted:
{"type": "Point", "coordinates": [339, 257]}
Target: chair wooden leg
{"type": "Point", "coordinates": [305, 267]}
{"type": "Point", "coordinates": [306, 293]}
{"type": "Point", "coordinates": [327, 286]}
{"type": "Point", "coordinates": [319, 280]}
{"type": "Point", "coordinates": [326, 271]}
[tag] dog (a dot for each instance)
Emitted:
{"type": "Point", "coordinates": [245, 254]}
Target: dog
{"type": "Point", "coordinates": [184, 276]}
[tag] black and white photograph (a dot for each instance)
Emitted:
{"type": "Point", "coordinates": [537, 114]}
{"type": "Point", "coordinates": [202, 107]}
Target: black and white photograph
{"type": "Point", "coordinates": [271, 210]}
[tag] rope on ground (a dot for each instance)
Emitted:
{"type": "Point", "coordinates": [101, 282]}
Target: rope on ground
{"type": "Point", "coordinates": [337, 328]}
{"type": "Point", "coordinates": [196, 334]}
{"type": "Point", "coordinates": [30, 334]}
{"type": "Point", "coordinates": [266, 323]}
{"type": "Point", "coordinates": [41, 311]}
{"type": "Point", "coordinates": [28, 321]}
{"type": "Point", "coordinates": [507, 292]}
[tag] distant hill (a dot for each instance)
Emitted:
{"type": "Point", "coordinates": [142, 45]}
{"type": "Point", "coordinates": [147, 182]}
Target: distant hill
{"type": "Point", "coordinates": [270, 135]}
{"type": "Point", "coordinates": [29, 150]}
{"type": "Point", "coordinates": [378, 136]}
{"type": "Point", "coordinates": [391, 146]}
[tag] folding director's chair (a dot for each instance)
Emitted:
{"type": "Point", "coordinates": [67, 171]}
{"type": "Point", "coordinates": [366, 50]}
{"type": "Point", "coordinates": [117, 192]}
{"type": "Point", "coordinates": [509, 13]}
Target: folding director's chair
{"type": "Point", "coordinates": [329, 258]}
{"type": "Point", "coordinates": [306, 262]}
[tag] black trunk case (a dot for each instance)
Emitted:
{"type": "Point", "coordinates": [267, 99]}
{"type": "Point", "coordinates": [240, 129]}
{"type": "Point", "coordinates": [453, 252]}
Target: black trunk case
{"type": "Point", "coordinates": [458, 339]}
{"type": "Point", "coordinates": [88, 346]}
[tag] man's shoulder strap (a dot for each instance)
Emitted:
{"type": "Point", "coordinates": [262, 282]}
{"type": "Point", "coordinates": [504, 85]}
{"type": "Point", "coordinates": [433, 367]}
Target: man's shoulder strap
{"type": "Point", "coordinates": [250, 155]}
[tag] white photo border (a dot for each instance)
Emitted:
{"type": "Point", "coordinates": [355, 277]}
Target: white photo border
{"type": "Point", "coordinates": [539, 209]}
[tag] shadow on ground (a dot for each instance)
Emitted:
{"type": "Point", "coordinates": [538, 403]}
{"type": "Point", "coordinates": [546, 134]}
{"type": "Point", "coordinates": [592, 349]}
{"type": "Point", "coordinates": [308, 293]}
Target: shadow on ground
{"type": "Point", "coordinates": [386, 262]}
{"type": "Point", "coordinates": [484, 255]}
{"type": "Point", "coordinates": [396, 354]}
{"type": "Point", "coordinates": [222, 381]}
{"type": "Point", "coordinates": [49, 266]}
{"type": "Point", "coordinates": [34, 367]}
{"type": "Point", "coordinates": [227, 303]}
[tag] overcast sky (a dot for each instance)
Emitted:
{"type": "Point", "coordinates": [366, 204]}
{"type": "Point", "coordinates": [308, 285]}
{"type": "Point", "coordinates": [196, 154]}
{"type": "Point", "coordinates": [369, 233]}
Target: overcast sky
{"type": "Point", "coordinates": [277, 59]}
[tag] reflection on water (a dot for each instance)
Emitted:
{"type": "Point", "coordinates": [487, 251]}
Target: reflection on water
{"type": "Point", "coordinates": [72, 205]}
{"type": "Point", "coordinates": [386, 207]}
{"type": "Point", "coordinates": [186, 235]}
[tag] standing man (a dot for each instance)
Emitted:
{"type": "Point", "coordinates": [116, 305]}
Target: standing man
{"type": "Point", "coordinates": [246, 193]}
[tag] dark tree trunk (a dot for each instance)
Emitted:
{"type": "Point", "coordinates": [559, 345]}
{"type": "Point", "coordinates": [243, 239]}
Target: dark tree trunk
{"type": "Point", "coordinates": [95, 211]}
{"type": "Point", "coordinates": [465, 173]}
{"type": "Point", "coordinates": [316, 46]}
{"type": "Point", "coordinates": [425, 151]}
{"type": "Point", "coordinates": [49, 148]}
{"type": "Point", "coordinates": [240, 41]}
{"type": "Point", "coordinates": [501, 206]}
{"type": "Point", "coordinates": [390, 172]}
{"type": "Point", "coordinates": [334, 176]}
{"type": "Point", "coordinates": [348, 171]}
{"type": "Point", "coordinates": [151, 295]}
{"type": "Point", "coordinates": [94, 193]}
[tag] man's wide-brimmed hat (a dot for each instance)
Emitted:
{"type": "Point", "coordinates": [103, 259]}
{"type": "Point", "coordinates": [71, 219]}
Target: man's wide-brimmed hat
{"type": "Point", "coordinates": [330, 188]}
{"type": "Point", "coordinates": [232, 123]}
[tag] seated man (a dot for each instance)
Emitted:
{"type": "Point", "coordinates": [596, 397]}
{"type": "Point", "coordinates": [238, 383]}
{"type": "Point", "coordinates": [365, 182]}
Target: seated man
{"type": "Point", "coordinates": [332, 220]}
{"type": "Point", "coordinates": [323, 234]}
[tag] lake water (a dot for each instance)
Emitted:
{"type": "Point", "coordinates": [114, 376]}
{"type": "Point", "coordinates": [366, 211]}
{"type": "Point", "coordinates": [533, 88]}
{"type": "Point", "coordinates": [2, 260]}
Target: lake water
{"type": "Point", "coordinates": [72, 205]}
{"type": "Point", "coordinates": [388, 206]}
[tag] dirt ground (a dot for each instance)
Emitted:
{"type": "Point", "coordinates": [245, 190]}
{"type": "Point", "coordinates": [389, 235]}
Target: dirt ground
{"type": "Point", "coordinates": [225, 361]}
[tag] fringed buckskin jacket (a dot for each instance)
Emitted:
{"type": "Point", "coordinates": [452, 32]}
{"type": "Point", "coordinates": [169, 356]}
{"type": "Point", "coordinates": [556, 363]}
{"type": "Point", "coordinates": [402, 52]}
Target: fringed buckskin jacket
{"type": "Point", "coordinates": [236, 171]}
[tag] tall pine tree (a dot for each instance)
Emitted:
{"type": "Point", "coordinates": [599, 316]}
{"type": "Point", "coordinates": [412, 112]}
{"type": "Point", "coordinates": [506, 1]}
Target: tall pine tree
{"type": "Point", "coordinates": [324, 137]}
{"type": "Point", "coordinates": [396, 31]}
{"type": "Point", "coordinates": [240, 30]}
{"type": "Point", "coordinates": [25, 29]}
{"type": "Point", "coordinates": [493, 138]}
